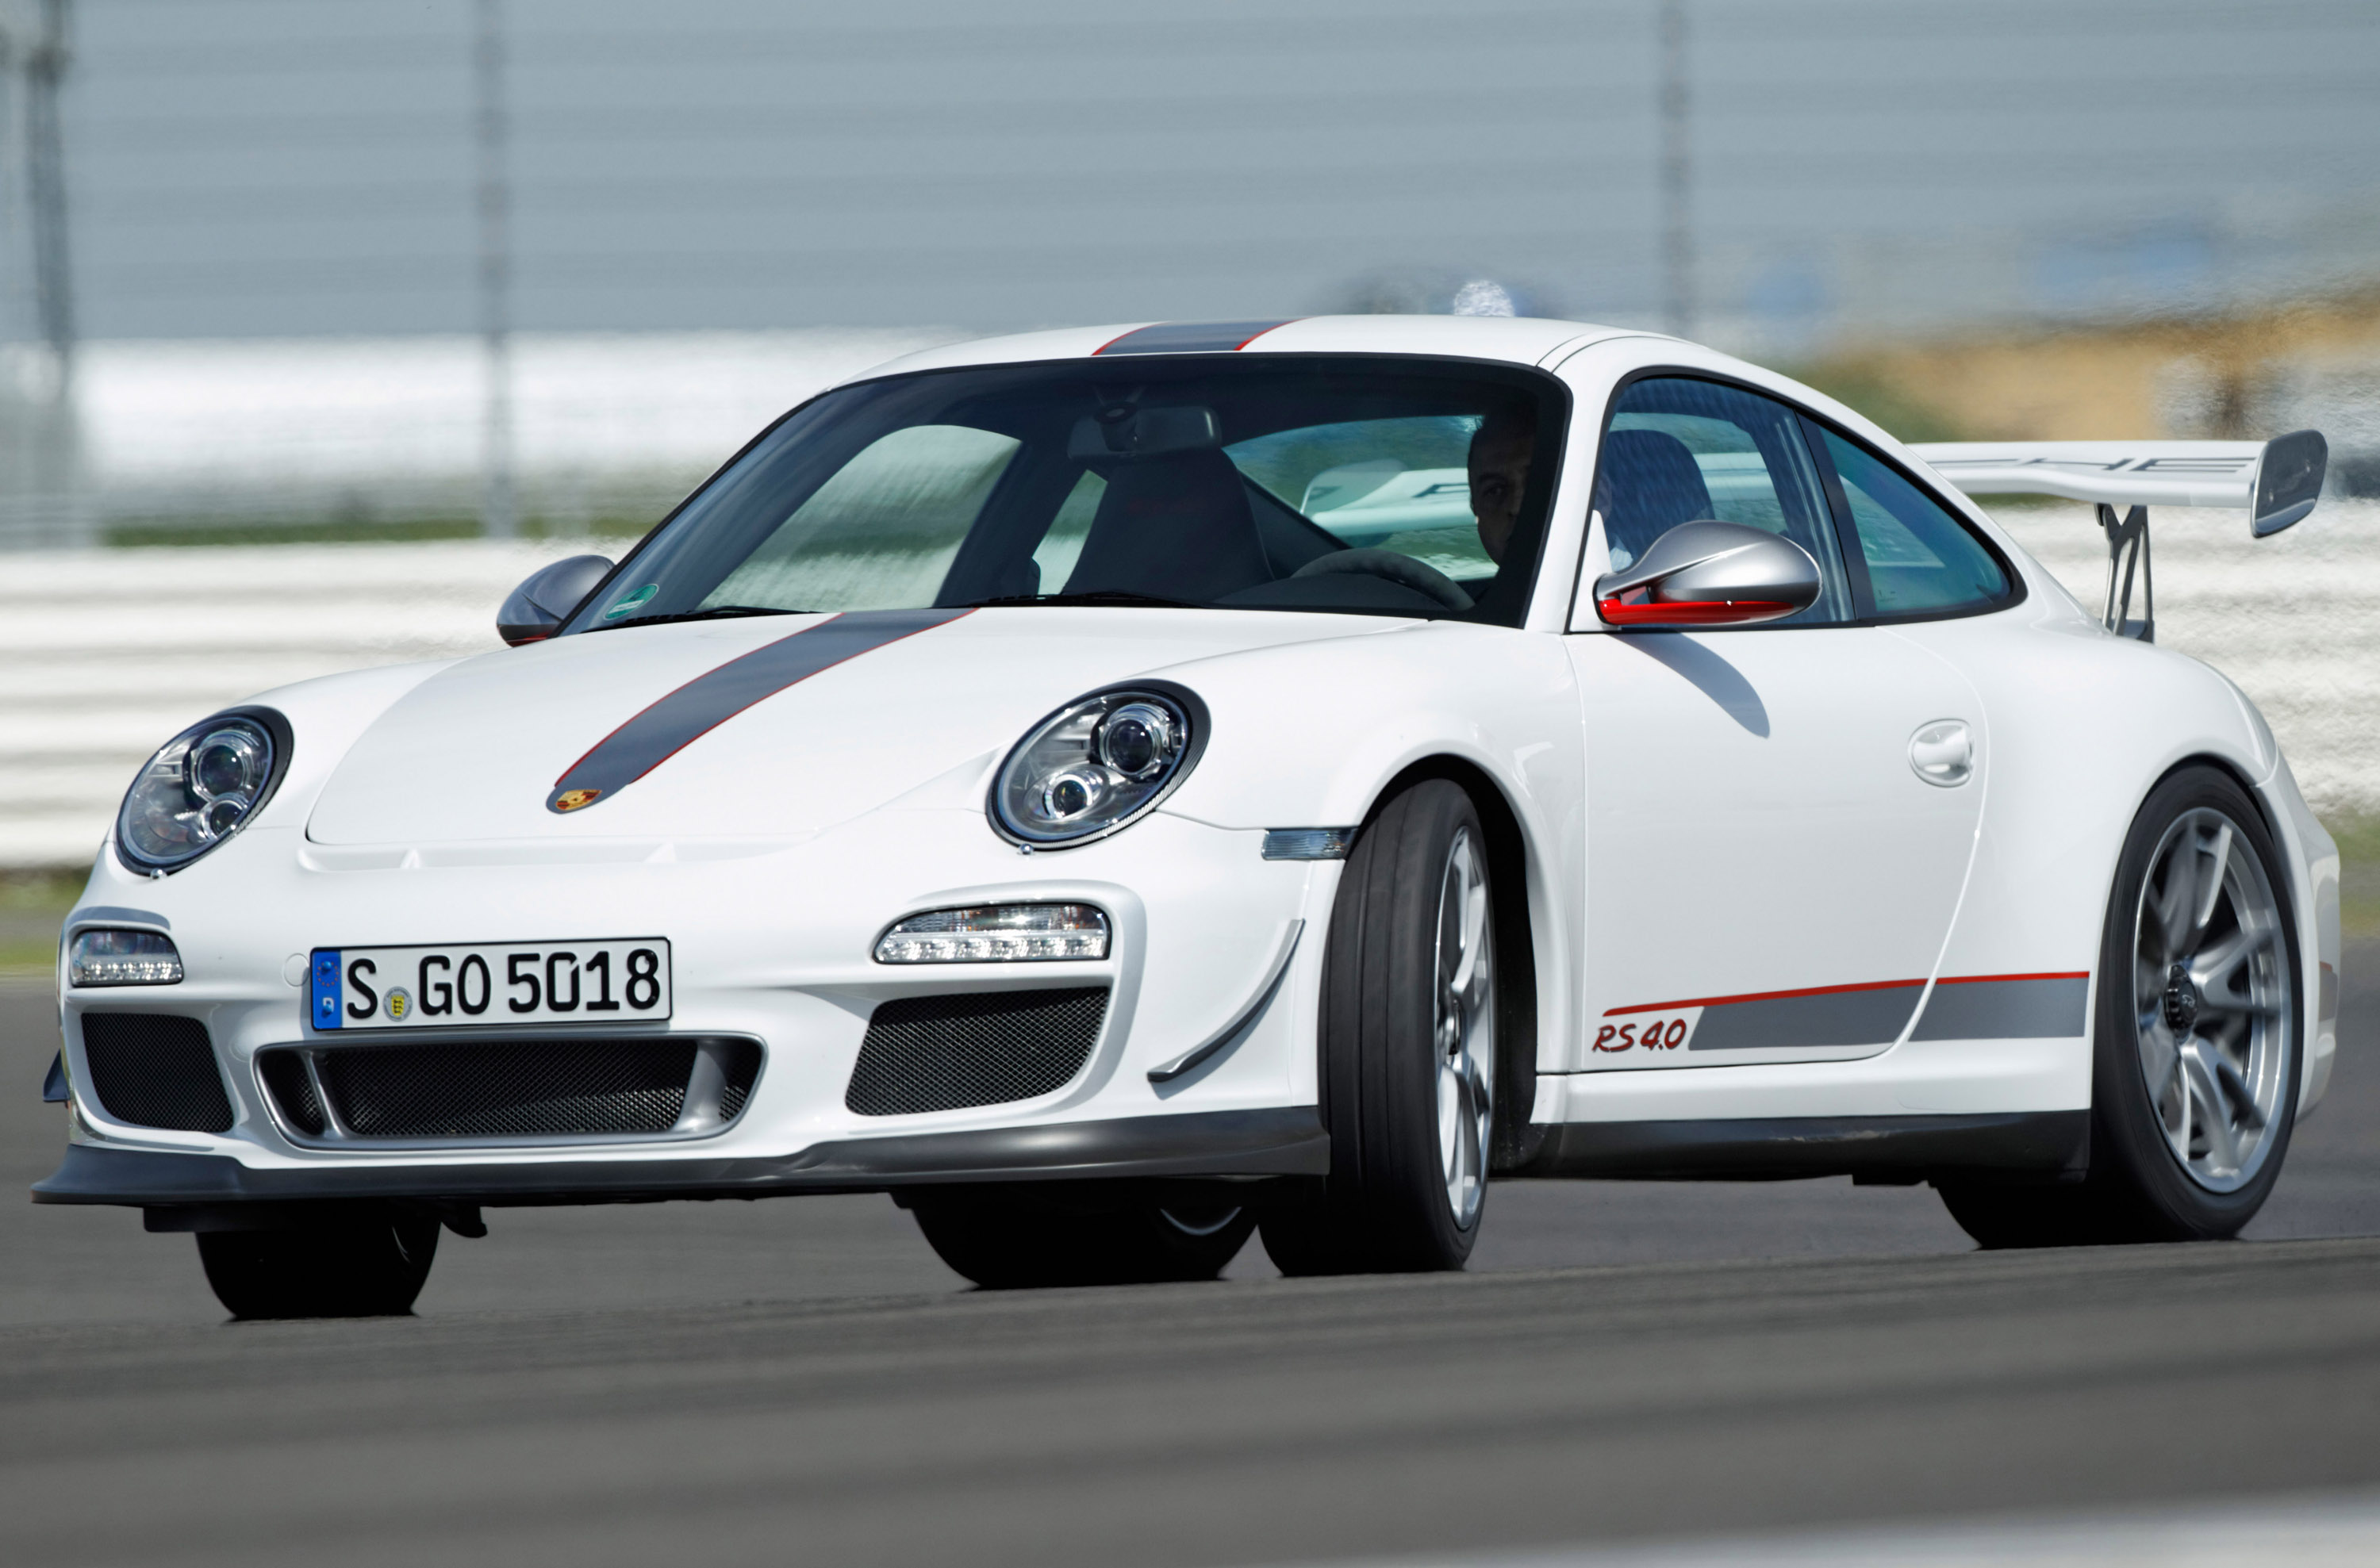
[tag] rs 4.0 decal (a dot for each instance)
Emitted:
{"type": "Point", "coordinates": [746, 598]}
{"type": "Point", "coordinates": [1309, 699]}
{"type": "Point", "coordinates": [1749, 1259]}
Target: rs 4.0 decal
{"type": "Point", "coordinates": [1650, 1032]}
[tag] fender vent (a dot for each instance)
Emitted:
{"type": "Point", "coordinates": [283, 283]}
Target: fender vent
{"type": "Point", "coordinates": [149, 1069]}
{"type": "Point", "coordinates": [977, 1048]}
{"type": "Point", "coordinates": [511, 1090]}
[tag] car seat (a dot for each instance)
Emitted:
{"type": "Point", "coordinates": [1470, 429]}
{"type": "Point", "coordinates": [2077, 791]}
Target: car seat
{"type": "Point", "coordinates": [1646, 483]}
{"type": "Point", "coordinates": [1176, 528]}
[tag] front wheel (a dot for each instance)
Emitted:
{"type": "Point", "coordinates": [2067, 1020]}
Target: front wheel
{"type": "Point", "coordinates": [1012, 1242]}
{"type": "Point", "coordinates": [1409, 1048]}
{"type": "Point", "coordinates": [362, 1269]}
{"type": "Point", "coordinates": [2194, 1071]}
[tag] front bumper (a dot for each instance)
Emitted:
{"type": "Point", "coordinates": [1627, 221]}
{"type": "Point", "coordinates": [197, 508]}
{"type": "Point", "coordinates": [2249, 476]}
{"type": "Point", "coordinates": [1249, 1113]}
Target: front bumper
{"type": "Point", "coordinates": [771, 944]}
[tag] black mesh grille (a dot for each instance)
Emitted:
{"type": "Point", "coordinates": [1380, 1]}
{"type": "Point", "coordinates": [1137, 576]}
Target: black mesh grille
{"type": "Point", "coordinates": [151, 1070]}
{"type": "Point", "coordinates": [741, 1065]}
{"type": "Point", "coordinates": [285, 1078]}
{"type": "Point", "coordinates": [493, 1089]}
{"type": "Point", "coordinates": [531, 1089]}
{"type": "Point", "coordinates": [982, 1048]}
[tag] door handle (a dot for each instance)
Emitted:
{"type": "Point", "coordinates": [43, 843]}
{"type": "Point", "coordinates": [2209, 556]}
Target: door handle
{"type": "Point", "coordinates": [1943, 753]}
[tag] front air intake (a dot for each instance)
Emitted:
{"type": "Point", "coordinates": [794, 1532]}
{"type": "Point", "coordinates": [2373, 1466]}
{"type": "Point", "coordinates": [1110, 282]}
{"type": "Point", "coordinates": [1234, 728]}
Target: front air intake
{"type": "Point", "coordinates": [511, 1090]}
{"type": "Point", "coordinates": [976, 1048]}
{"type": "Point", "coordinates": [152, 1069]}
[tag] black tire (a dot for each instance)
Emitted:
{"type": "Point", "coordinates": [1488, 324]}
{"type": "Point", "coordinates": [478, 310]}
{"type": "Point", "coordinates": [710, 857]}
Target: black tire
{"type": "Point", "coordinates": [2138, 1189]}
{"type": "Point", "coordinates": [362, 1269]}
{"type": "Point", "coordinates": [1386, 1206]}
{"type": "Point", "coordinates": [1033, 1241]}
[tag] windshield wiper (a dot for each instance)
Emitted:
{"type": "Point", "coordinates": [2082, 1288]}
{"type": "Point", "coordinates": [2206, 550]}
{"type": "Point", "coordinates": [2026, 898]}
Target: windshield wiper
{"type": "Point", "coordinates": [718, 612]}
{"type": "Point", "coordinates": [1104, 595]}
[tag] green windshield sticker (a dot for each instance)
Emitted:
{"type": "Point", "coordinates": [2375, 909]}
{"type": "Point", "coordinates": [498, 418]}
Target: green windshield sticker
{"type": "Point", "coordinates": [632, 601]}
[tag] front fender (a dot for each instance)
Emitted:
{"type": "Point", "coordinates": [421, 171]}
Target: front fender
{"type": "Point", "coordinates": [1307, 736]}
{"type": "Point", "coordinates": [1312, 736]}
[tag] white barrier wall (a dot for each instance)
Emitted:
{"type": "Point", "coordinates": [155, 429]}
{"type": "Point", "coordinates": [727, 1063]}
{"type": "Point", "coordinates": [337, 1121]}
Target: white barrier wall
{"type": "Point", "coordinates": [2295, 619]}
{"type": "Point", "coordinates": [107, 652]}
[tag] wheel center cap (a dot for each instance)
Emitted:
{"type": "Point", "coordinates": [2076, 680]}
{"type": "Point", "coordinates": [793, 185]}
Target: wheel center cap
{"type": "Point", "coordinates": [2181, 1000]}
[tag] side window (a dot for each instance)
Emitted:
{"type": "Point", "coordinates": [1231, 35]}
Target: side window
{"type": "Point", "coordinates": [1921, 558]}
{"type": "Point", "coordinates": [1679, 451]}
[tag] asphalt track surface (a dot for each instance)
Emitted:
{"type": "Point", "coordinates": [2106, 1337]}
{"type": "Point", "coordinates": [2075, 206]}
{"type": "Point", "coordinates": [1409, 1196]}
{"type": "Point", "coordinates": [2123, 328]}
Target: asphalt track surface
{"type": "Point", "coordinates": [800, 1380]}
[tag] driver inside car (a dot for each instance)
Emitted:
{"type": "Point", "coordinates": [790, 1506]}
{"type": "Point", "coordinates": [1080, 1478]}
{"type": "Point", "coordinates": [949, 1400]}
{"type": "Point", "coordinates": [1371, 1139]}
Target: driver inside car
{"type": "Point", "coordinates": [1500, 450]}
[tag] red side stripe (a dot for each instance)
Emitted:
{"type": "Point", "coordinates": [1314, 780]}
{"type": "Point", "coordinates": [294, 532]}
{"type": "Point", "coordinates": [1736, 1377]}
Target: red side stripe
{"type": "Point", "coordinates": [1990, 979]}
{"type": "Point", "coordinates": [1762, 997]}
{"type": "Point", "coordinates": [1835, 991]}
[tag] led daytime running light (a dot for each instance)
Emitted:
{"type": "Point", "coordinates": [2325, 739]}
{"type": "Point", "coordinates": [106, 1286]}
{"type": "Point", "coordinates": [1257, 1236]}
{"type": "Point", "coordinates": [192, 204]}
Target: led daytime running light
{"type": "Point", "coordinates": [104, 957]}
{"type": "Point", "coordinates": [997, 933]}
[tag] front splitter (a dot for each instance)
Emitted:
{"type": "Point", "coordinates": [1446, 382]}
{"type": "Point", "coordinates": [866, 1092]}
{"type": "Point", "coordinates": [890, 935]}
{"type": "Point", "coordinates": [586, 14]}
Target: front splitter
{"type": "Point", "coordinates": [1287, 1142]}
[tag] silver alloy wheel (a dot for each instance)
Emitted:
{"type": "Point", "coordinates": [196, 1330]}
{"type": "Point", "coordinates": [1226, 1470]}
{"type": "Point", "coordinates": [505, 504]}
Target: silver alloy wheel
{"type": "Point", "coordinates": [2211, 992]}
{"type": "Point", "coordinates": [1463, 1026]}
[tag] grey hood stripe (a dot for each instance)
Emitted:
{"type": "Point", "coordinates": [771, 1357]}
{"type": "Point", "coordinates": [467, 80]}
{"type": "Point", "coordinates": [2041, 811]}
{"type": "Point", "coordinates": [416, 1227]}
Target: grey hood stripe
{"type": "Point", "coordinates": [703, 704]}
{"type": "Point", "coordinates": [1191, 337]}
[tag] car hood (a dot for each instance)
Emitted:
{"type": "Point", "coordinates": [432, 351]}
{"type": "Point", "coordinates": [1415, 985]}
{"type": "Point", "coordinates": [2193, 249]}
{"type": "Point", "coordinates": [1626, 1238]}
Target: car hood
{"type": "Point", "coordinates": [480, 750]}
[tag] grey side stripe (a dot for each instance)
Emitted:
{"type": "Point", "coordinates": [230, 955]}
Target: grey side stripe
{"type": "Point", "coordinates": [1793, 1023]}
{"type": "Point", "coordinates": [2045, 1007]}
{"type": "Point", "coordinates": [1192, 337]}
{"type": "Point", "coordinates": [703, 704]}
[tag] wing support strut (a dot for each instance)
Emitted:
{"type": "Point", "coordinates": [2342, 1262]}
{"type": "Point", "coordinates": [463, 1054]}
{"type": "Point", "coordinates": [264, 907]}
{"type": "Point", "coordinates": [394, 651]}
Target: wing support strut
{"type": "Point", "coordinates": [2128, 546]}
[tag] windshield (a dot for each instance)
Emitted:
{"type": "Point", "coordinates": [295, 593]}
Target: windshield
{"type": "Point", "coordinates": [1364, 486]}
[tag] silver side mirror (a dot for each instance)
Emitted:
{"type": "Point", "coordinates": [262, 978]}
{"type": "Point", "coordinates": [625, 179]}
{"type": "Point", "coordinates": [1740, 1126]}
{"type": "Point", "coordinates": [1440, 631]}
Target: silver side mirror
{"type": "Point", "coordinates": [545, 599]}
{"type": "Point", "coordinates": [1710, 574]}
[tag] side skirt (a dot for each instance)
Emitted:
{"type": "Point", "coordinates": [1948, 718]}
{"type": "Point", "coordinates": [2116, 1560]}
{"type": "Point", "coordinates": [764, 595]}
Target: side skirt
{"type": "Point", "coordinates": [2007, 1146]}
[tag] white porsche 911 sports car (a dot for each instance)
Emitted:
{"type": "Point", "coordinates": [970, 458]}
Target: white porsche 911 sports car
{"type": "Point", "coordinates": [1117, 790]}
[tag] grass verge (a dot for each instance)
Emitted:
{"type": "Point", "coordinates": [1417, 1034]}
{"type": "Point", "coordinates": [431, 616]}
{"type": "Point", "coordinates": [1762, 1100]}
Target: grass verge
{"type": "Point", "coordinates": [32, 905]}
{"type": "Point", "coordinates": [2359, 876]}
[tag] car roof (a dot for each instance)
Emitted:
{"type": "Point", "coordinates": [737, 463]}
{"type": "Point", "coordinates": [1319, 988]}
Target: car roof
{"type": "Point", "coordinates": [1519, 340]}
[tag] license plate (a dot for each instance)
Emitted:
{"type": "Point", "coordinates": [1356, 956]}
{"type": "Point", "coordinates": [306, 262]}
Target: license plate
{"type": "Point", "coordinates": [475, 985]}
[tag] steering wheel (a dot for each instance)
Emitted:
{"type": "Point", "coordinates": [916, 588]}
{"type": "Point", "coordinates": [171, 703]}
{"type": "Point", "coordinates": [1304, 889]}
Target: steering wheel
{"type": "Point", "coordinates": [1402, 570]}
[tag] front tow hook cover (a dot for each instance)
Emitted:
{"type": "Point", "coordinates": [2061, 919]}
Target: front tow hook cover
{"type": "Point", "coordinates": [1943, 753]}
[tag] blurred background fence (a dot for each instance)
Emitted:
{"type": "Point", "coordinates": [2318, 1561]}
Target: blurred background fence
{"type": "Point", "coordinates": [308, 306]}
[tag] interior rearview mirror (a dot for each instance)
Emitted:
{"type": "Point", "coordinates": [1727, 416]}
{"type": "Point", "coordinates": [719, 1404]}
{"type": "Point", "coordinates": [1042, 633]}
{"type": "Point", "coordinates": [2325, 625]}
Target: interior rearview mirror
{"type": "Point", "coordinates": [1710, 574]}
{"type": "Point", "coordinates": [536, 608]}
{"type": "Point", "coordinates": [1121, 432]}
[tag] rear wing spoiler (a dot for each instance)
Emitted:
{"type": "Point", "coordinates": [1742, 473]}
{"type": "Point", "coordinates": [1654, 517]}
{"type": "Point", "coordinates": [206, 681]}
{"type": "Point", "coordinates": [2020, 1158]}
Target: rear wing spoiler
{"type": "Point", "coordinates": [2275, 482]}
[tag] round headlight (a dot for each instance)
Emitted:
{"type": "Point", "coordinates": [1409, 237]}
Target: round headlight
{"type": "Point", "coordinates": [1098, 765]}
{"type": "Point", "coordinates": [200, 787]}
{"type": "Point", "coordinates": [1138, 739]}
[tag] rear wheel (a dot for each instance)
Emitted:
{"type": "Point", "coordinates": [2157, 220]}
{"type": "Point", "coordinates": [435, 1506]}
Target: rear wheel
{"type": "Point", "coordinates": [1010, 1242]}
{"type": "Point", "coordinates": [360, 1269]}
{"type": "Point", "coordinates": [1409, 1048]}
{"type": "Point", "coordinates": [2194, 1080]}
